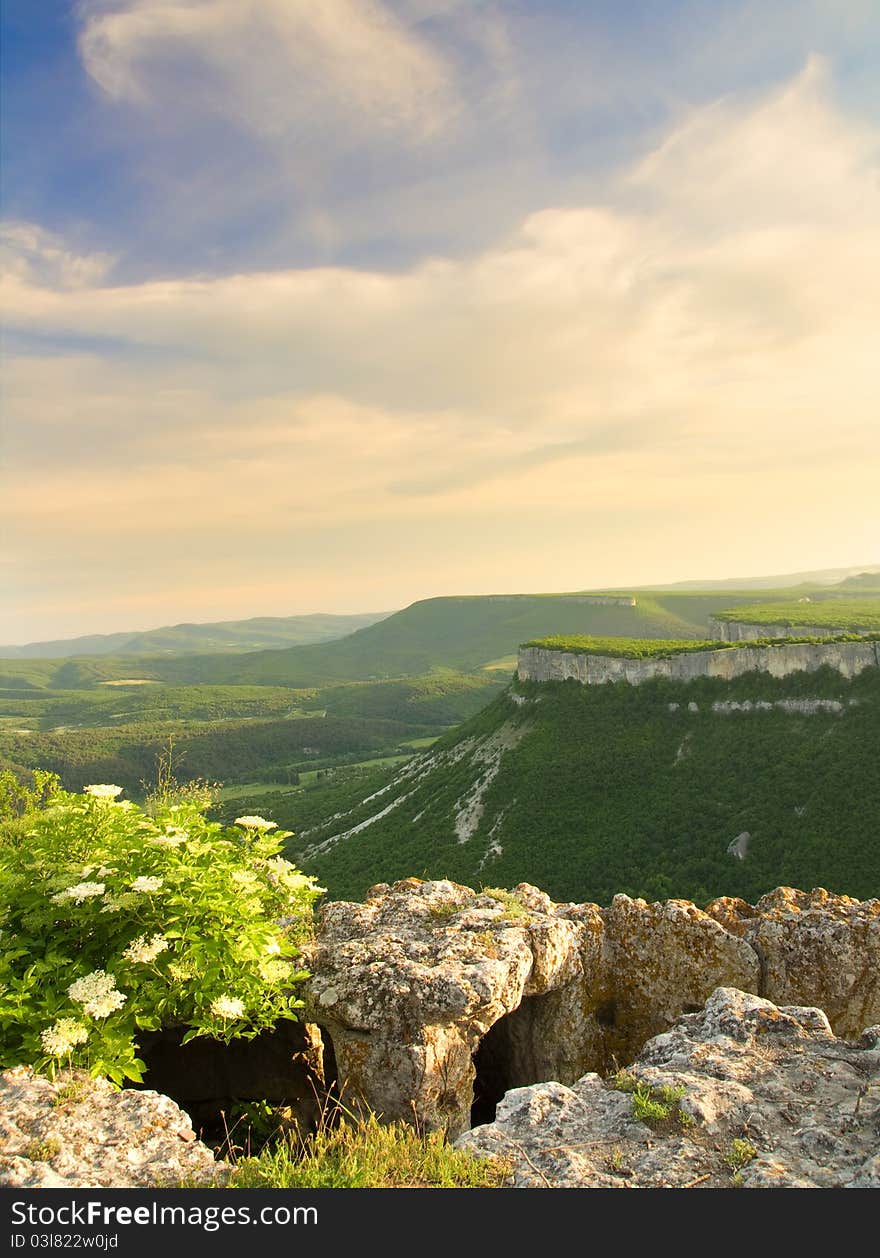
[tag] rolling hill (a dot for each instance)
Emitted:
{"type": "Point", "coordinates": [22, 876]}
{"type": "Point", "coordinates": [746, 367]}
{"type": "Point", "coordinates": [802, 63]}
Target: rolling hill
{"type": "Point", "coordinates": [187, 639]}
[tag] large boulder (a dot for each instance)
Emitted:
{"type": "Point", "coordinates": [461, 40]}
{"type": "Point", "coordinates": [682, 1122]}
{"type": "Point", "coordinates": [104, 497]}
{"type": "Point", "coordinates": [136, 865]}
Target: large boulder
{"type": "Point", "coordinates": [438, 999]}
{"type": "Point", "coordinates": [757, 1096]}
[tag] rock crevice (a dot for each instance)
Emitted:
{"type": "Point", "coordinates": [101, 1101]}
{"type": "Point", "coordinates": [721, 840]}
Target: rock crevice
{"type": "Point", "coordinates": [754, 1094]}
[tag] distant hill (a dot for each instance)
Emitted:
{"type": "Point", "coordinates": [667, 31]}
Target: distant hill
{"type": "Point", "coordinates": [591, 790]}
{"type": "Point", "coordinates": [862, 583]}
{"type": "Point", "coordinates": [225, 635]}
{"type": "Point", "coordinates": [821, 576]}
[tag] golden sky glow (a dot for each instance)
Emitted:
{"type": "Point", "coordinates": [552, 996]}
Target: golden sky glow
{"type": "Point", "coordinates": [676, 377]}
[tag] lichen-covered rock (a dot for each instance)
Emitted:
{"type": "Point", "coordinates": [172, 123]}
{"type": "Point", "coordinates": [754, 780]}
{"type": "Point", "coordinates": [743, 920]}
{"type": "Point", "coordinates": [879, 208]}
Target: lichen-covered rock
{"type": "Point", "coordinates": [757, 1095]}
{"type": "Point", "coordinates": [665, 958]}
{"type": "Point", "coordinates": [413, 983]}
{"type": "Point", "coordinates": [77, 1132]}
{"type": "Point", "coordinates": [409, 982]}
{"type": "Point", "coordinates": [821, 949]}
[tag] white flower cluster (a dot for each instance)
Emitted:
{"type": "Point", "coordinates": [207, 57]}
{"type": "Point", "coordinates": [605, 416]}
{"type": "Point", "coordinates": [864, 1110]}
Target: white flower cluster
{"type": "Point", "coordinates": [63, 1036]}
{"type": "Point", "coordinates": [146, 884]}
{"type": "Point", "coordinates": [81, 891]}
{"type": "Point", "coordinates": [103, 790]}
{"type": "Point", "coordinates": [256, 823]}
{"type": "Point", "coordinates": [274, 971]}
{"type": "Point", "coordinates": [97, 993]}
{"type": "Point", "coordinates": [173, 837]}
{"type": "Point", "coordinates": [228, 1007]}
{"type": "Point", "coordinates": [145, 950]}
{"type": "Point", "coordinates": [244, 876]}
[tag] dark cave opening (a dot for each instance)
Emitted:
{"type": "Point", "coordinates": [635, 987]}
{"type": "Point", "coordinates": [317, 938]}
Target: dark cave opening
{"type": "Point", "coordinates": [505, 1059]}
{"type": "Point", "coordinates": [235, 1094]}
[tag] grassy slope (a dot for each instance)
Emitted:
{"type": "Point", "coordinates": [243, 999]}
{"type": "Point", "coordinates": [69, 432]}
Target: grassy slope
{"type": "Point", "coordinates": [853, 614]}
{"type": "Point", "coordinates": [609, 791]}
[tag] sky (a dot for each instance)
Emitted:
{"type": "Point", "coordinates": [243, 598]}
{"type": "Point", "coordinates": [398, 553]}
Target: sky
{"type": "Point", "coordinates": [334, 306]}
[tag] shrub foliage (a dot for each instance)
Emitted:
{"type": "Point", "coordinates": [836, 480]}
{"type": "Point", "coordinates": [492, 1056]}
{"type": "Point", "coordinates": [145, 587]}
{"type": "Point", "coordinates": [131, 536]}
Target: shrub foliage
{"type": "Point", "coordinates": [115, 922]}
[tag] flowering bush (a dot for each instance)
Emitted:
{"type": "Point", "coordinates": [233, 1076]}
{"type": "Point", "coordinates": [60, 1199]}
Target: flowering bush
{"type": "Point", "coordinates": [113, 922]}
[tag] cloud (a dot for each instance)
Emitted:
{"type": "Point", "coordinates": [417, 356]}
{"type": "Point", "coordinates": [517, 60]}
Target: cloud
{"type": "Point", "coordinates": [39, 257]}
{"type": "Point", "coordinates": [684, 366]}
{"type": "Point", "coordinates": [270, 66]}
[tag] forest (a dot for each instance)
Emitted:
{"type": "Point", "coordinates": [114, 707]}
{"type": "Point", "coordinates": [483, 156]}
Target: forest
{"type": "Point", "coordinates": [635, 789]}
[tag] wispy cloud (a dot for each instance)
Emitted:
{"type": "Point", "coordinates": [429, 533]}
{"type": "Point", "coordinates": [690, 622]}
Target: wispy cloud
{"type": "Point", "coordinates": [662, 352]}
{"type": "Point", "coordinates": [272, 66]}
{"type": "Point", "coordinates": [36, 256]}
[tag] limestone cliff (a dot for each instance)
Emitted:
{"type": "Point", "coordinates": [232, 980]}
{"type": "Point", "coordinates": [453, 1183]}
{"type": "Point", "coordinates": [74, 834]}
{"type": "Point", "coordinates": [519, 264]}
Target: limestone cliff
{"type": "Point", "coordinates": [847, 658]}
{"type": "Point", "coordinates": [742, 631]}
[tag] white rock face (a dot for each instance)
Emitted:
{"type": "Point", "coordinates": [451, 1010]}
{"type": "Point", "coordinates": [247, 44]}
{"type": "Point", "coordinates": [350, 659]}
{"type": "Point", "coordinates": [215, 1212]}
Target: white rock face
{"type": "Point", "coordinates": [767, 1094]}
{"type": "Point", "coordinates": [742, 631]}
{"type": "Point", "coordinates": [847, 658]}
{"type": "Point", "coordinates": [78, 1132]}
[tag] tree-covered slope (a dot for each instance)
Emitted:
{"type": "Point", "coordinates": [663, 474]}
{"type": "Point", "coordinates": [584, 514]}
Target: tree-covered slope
{"type": "Point", "coordinates": [588, 791]}
{"type": "Point", "coordinates": [228, 733]}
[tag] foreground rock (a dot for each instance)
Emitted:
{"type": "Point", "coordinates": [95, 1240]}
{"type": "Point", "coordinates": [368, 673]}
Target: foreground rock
{"type": "Point", "coordinates": [759, 1096]}
{"type": "Point", "coordinates": [437, 998]}
{"type": "Point", "coordinates": [78, 1132]}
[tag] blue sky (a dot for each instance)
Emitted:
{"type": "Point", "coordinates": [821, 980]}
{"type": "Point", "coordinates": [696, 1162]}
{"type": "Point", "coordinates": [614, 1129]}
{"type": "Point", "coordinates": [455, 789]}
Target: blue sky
{"type": "Point", "coordinates": [335, 306]}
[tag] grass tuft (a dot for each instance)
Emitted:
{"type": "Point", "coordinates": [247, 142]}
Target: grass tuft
{"type": "Point", "coordinates": [740, 1153]}
{"type": "Point", "coordinates": [364, 1153]}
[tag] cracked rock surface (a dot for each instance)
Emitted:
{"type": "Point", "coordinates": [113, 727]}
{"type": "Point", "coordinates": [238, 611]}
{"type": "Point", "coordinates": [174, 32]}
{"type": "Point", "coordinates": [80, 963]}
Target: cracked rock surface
{"type": "Point", "coordinates": [78, 1132]}
{"type": "Point", "coordinates": [759, 1096]}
